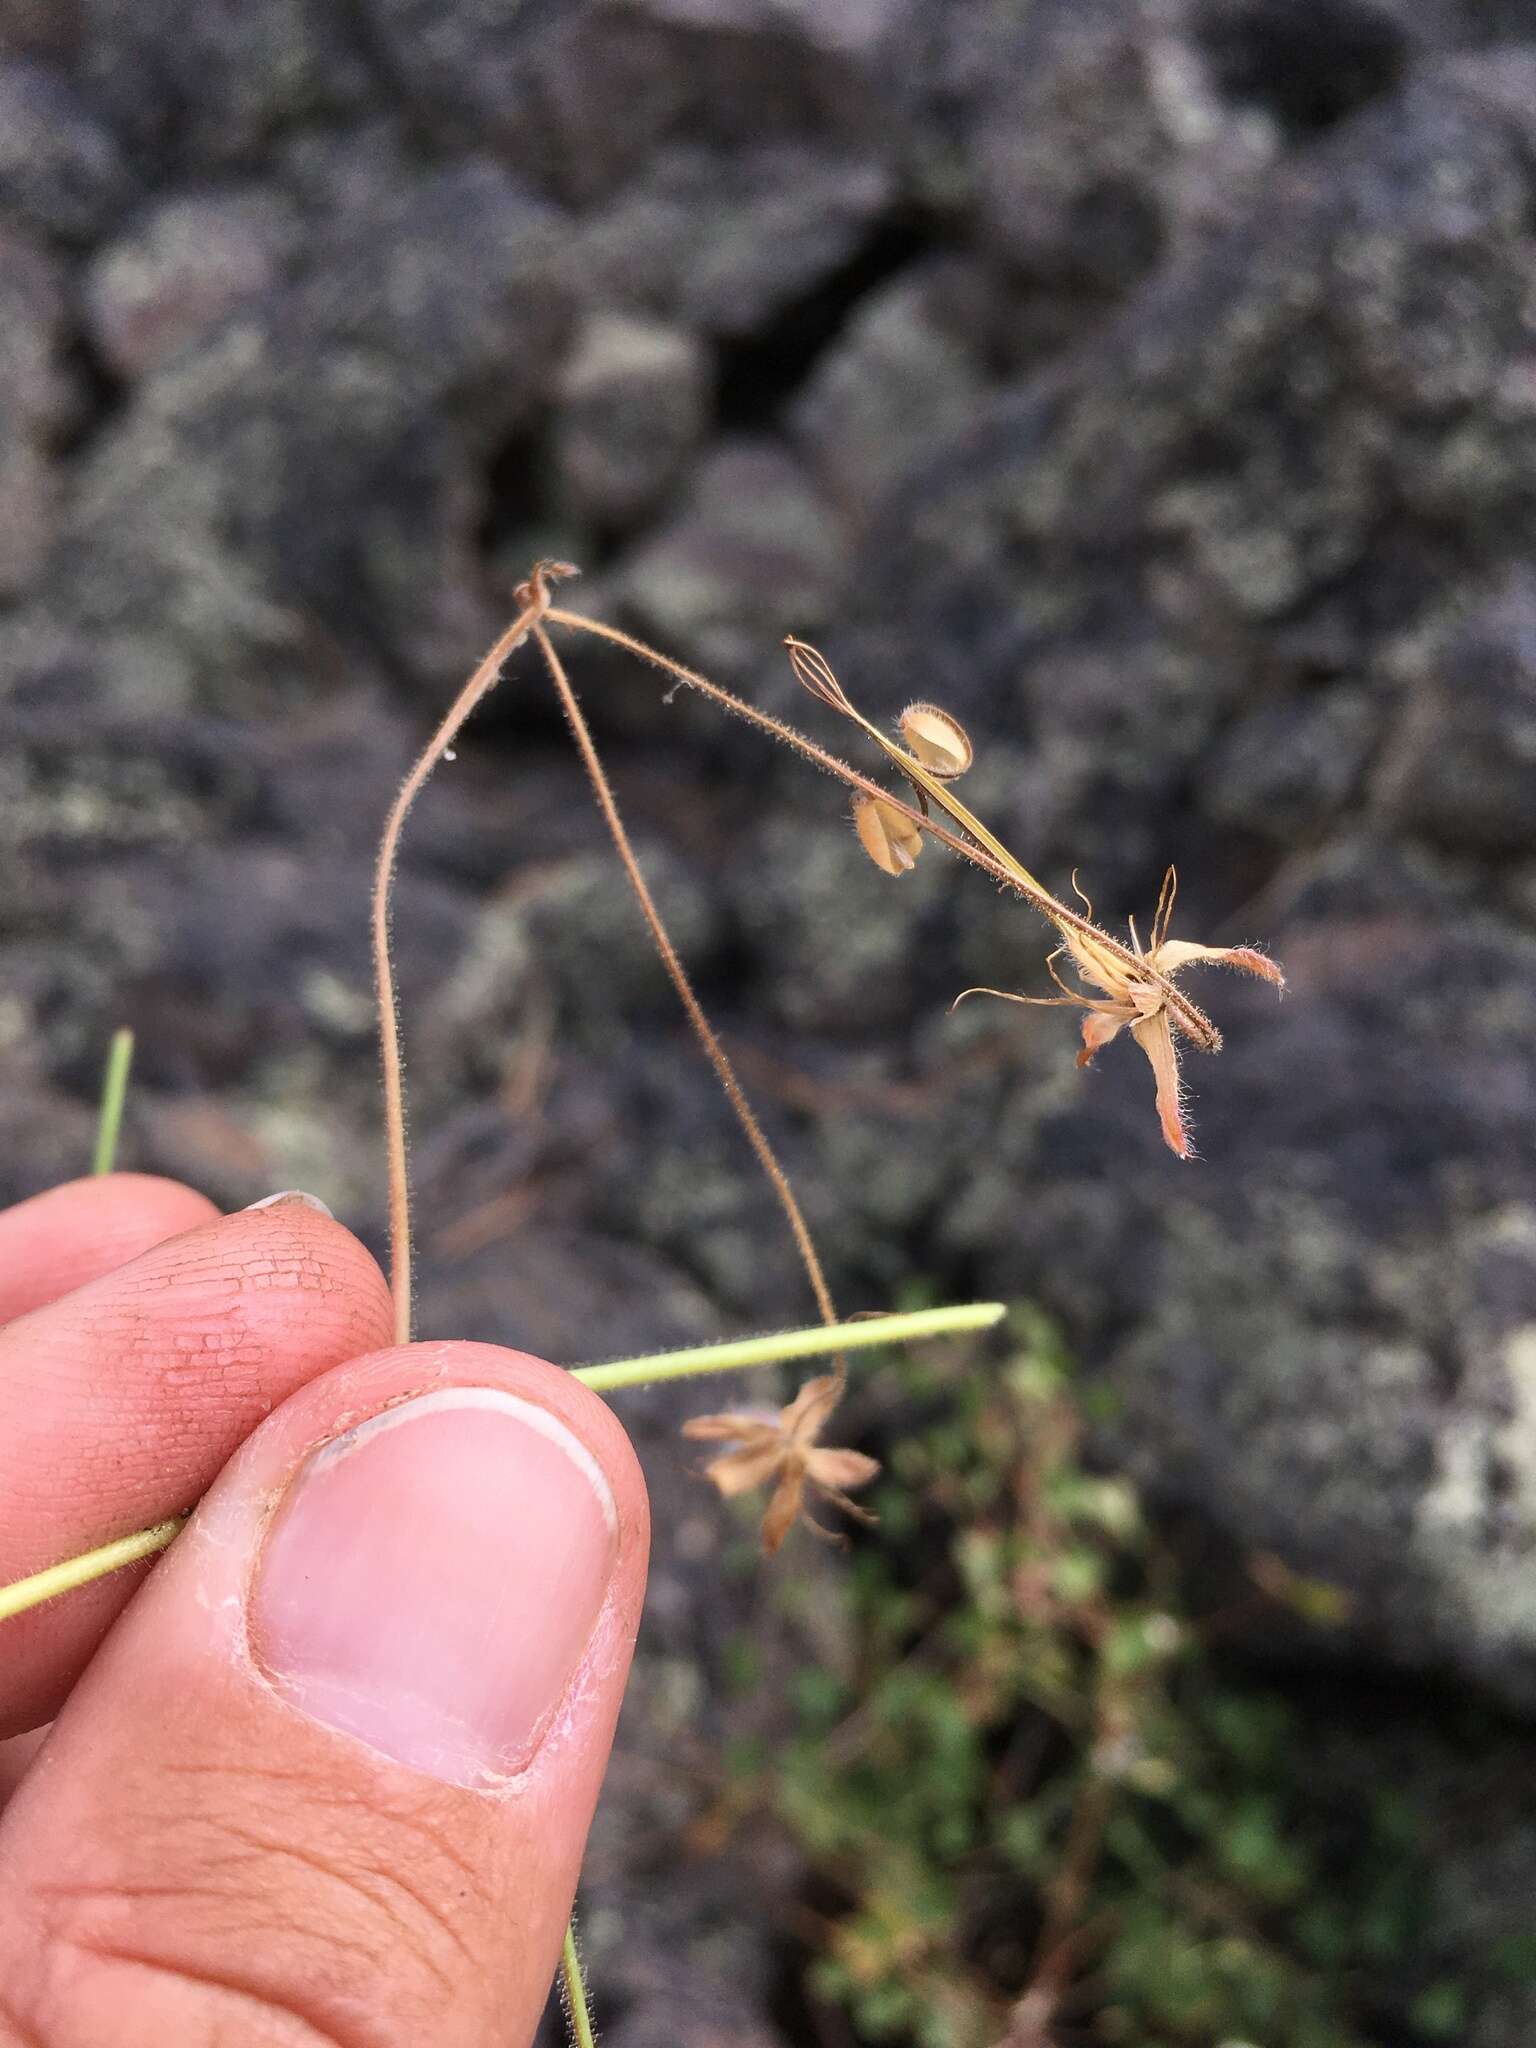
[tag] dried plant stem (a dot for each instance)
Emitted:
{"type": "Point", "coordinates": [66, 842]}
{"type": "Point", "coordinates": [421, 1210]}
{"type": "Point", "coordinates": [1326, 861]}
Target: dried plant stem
{"type": "Point", "coordinates": [114, 1091]}
{"type": "Point", "coordinates": [779, 1348]}
{"type": "Point", "coordinates": [982, 849]}
{"type": "Point", "coordinates": [677, 974]}
{"type": "Point", "coordinates": [485, 677]}
{"type": "Point", "coordinates": [780, 729]}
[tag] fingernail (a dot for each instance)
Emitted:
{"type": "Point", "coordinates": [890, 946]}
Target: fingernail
{"type": "Point", "coordinates": [433, 1578]}
{"type": "Point", "coordinates": [289, 1195]}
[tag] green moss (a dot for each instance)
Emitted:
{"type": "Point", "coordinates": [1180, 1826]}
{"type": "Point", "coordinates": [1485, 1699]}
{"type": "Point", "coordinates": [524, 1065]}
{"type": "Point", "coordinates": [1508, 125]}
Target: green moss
{"type": "Point", "coordinates": [1031, 1695]}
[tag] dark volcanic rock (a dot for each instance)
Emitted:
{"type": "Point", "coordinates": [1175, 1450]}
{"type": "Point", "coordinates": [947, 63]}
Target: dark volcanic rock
{"type": "Point", "coordinates": [1462, 769]}
{"type": "Point", "coordinates": [310, 474]}
{"type": "Point", "coordinates": [212, 82]}
{"type": "Point", "coordinates": [61, 170]}
{"type": "Point", "coordinates": [1272, 437]}
{"type": "Point", "coordinates": [749, 556]}
{"type": "Point", "coordinates": [634, 405]}
{"type": "Point", "coordinates": [1101, 141]}
{"type": "Point", "coordinates": [37, 399]}
{"type": "Point", "coordinates": [178, 273]}
{"type": "Point", "coordinates": [902, 375]}
{"type": "Point", "coordinates": [578, 96]}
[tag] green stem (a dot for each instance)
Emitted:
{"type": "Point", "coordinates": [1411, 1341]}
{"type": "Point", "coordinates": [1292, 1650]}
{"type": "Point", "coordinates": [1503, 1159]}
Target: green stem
{"type": "Point", "coordinates": [114, 1089]}
{"type": "Point", "coordinates": [786, 1345]}
{"type": "Point", "coordinates": [79, 1571]}
{"type": "Point", "coordinates": [575, 1990]}
{"type": "Point", "coordinates": [777, 1349]}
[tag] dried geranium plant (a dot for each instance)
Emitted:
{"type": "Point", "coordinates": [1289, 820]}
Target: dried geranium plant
{"type": "Point", "coordinates": [1133, 987]}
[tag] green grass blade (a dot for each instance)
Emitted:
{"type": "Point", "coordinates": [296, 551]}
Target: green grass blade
{"type": "Point", "coordinates": [114, 1091]}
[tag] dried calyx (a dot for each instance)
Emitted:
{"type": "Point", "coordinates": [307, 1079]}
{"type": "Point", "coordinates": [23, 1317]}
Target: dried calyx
{"type": "Point", "coordinates": [784, 1449]}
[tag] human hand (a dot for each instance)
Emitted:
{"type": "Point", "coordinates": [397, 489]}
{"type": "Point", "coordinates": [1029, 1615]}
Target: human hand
{"type": "Point", "coordinates": [329, 1777]}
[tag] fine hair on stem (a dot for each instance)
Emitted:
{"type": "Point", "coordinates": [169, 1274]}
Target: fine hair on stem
{"type": "Point", "coordinates": [677, 974]}
{"type": "Point", "coordinates": [484, 679]}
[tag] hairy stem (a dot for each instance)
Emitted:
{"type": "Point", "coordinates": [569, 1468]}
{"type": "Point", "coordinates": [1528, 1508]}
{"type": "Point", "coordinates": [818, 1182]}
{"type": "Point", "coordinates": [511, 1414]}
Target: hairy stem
{"type": "Point", "coordinates": [79, 1571]}
{"type": "Point", "coordinates": [677, 974]}
{"type": "Point", "coordinates": [779, 1349]}
{"type": "Point", "coordinates": [817, 1342]}
{"type": "Point", "coordinates": [575, 1989]}
{"type": "Point", "coordinates": [485, 677]}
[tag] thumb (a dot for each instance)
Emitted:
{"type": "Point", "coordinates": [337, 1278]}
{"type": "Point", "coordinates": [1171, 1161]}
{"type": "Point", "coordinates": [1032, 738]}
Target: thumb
{"type": "Point", "coordinates": [329, 1778]}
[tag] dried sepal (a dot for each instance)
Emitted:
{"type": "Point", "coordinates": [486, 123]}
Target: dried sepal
{"type": "Point", "coordinates": [940, 742]}
{"type": "Point", "coordinates": [1122, 986]}
{"type": "Point", "coordinates": [783, 1448]}
{"type": "Point", "coordinates": [887, 835]}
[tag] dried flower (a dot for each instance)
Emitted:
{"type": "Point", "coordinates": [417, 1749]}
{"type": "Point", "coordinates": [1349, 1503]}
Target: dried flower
{"type": "Point", "coordinates": [783, 1448]}
{"type": "Point", "coordinates": [1137, 991]}
{"type": "Point", "coordinates": [1134, 987]}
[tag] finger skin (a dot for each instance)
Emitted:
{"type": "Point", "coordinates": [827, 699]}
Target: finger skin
{"type": "Point", "coordinates": [120, 1402]}
{"type": "Point", "coordinates": [59, 1240]}
{"type": "Point", "coordinates": [75, 1233]}
{"type": "Point", "coordinates": [16, 1759]}
{"type": "Point", "coordinates": [195, 1860]}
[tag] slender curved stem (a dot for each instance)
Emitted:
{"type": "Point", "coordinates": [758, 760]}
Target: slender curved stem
{"type": "Point", "coordinates": [677, 974]}
{"type": "Point", "coordinates": [485, 677]}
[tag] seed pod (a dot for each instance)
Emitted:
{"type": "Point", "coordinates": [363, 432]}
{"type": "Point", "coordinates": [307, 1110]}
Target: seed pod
{"type": "Point", "coordinates": [887, 835]}
{"type": "Point", "coordinates": [938, 741]}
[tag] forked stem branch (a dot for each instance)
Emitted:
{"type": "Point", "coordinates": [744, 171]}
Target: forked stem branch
{"type": "Point", "coordinates": [677, 974]}
{"type": "Point", "coordinates": [982, 850]}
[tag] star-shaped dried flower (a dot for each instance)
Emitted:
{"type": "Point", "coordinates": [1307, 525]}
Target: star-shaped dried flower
{"type": "Point", "coordinates": [783, 1449]}
{"type": "Point", "coordinates": [1146, 1001]}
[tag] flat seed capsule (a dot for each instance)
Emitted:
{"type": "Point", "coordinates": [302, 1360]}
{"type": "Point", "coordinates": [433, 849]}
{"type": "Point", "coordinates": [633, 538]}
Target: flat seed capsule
{"type": "Point", "coordinates": [887, 835]}
{"type": "Point", "coordinates": [938, 741]}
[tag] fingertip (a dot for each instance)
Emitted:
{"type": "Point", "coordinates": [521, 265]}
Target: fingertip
{"type": "Point", "coordinates": [293, 1246]}
{"type": "Point", "coordinates": [380, 1382]}
{"type": "Point", "coordinates": [557, 1388]}
{"type": "Point", "coordinates": [125, 1396]}
{"type": "Point", "coordinates": [74, 1233]}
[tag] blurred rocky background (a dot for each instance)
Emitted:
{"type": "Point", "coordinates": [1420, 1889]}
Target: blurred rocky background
{"type": "Point", "coordinates": [1152, 383]}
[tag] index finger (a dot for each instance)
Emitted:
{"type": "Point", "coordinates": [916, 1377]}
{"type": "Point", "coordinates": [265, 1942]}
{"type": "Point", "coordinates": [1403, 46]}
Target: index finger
{"type": "Point", "coordinates": [121, 1401]}
{"type": "Point", "coordinates": [74, 1233]}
